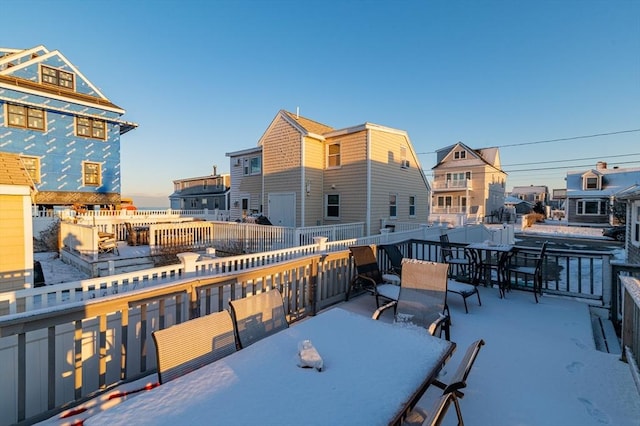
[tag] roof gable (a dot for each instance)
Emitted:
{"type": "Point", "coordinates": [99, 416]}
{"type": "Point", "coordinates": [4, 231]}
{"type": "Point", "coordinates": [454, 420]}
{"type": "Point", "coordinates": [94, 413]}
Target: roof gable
{"type": "Point", "coordinates": [28, 68]}
{"type": "Point", "coordinates": [489, 156]}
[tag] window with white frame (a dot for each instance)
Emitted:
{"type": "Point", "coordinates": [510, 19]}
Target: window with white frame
{"type": "Point", "coordinates": [333, 206]}
{"type": "Point", "coordinates": [333, 155]}
{"type": "Point", "coordinates": [393, 205]}
{"type": "Point", "coordinates": [91, 173]}
{"type": "Point", "coordinates": [444, 201]}
{"type": "Point", "coordinates": [592, 207]}
{"type": "Point", "coordinates": [252, 166]}
{"type": "Point", "coordinates": [412, 206]}
{"type": "Point", "coordinates": [591, 182]}
{"type": "Point", "coordinates": [32, 166]}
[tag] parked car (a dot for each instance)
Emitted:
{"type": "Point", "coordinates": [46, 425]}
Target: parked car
{"type": "Point", "coordinates": [616, 232]}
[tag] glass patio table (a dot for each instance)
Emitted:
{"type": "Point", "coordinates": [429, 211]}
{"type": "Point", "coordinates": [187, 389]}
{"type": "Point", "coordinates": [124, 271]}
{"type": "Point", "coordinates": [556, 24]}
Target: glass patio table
{"type": "Point", "coordinates": [487, 257]}
{"type": "Point", "coordinates": [374, 372]}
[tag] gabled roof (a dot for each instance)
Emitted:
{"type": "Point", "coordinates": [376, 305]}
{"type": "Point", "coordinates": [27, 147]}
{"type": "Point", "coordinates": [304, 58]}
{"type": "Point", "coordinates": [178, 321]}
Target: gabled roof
{"type": "Point", "coordinates": [490, 156]}
{"type": "Point", "coordinates": [613, 181]}
{"type": "Point", "coordinates": [308, 125]}
{"type": "Point", "coordinates": [30, 57]}
{"type": "Point", "coordinates": [12, 61]}
{"type": "Point", "coordinates": [13, 172]}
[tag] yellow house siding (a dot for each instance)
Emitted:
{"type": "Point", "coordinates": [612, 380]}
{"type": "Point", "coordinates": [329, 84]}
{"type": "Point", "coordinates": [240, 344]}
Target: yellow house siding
{"type": "Point", "coordinates": [314, 160]}
{"type": "Point", "coordinates": [281, 154]}
{"type": "Point", "coordinates": [389, 177]}
{"type": "Point", "coordinates": [13, 249]}
{"type": "Point", "coordinates": [350, 179]}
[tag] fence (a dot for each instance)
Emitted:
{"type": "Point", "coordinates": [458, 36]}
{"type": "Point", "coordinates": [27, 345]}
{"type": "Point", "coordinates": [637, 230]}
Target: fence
{"type": "Point", "coordinates": [631, 323]}
{"type": "Point", "coordinates": [65, 353]}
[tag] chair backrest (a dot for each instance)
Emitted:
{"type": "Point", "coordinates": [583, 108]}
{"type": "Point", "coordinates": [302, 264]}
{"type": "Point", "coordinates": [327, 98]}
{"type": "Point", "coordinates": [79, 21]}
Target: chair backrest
{"type": "Point", "coordinates": [540, 258]}
{"type": "Point", "coordinates": [192, 344]}
{"type": "Point", "coordinates": [445, 248]}
{"type": "Point", "coordinates": [423, 292]}
{"type": "Point", "coordinates": [366, 263]}
{"type": "Point", "coordinates": [459, 378]}
{"type": "Point", "coordinates": [257, 317]}
{"type": "Point", "coordinates": [395, 256]}
{"type": "Point", "coordinates": [438, 412]}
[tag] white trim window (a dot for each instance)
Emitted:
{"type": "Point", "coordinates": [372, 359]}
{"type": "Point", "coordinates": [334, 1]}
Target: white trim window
{"type": "Point", "coordinates": [591, 182]}
{"type": "Point", "coordinates": [333, 206]}
{"type": "Point", "coordinates": [333, 156]}
{"type": "Point", "coordinates": [592, 207]}
{"type": "Point", "coordinates": [412, 206]}
{"type": "Point", "coordinates": [393, 206]}
{"type": "Point", "coordinates": [252, 166]}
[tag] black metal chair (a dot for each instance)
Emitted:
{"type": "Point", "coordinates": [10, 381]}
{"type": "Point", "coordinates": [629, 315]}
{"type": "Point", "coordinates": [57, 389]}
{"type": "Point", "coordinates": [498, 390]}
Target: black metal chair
{"type": "Point", "coordinates": [369, 277]}
{"type": "Point", "coordinates": [529, 267]}
{"type": "Point", "coordinates": [395, 257]}
{"type": "Point", "coordinates": [459, 262]}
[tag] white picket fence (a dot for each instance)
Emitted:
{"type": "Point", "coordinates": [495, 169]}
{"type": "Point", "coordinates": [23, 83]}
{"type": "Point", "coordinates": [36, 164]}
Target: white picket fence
{"type": "Point", "coordinates": [194, 264]}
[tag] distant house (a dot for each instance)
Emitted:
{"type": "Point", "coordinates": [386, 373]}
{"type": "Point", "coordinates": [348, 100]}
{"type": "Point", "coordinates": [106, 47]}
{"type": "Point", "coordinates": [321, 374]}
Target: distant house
{"type": "Point", "coordinates": [304, 173]}
{"type": "Point", "coordinates": [519, 205]}
{"type": "Point", "coordinates": [64, 128]}
{"type": "Point", "coordinates": [591, 194]}
{"type": "Point", "coordinates": [203, 192]}
{"type": "Point", "coordinates": [468, 181]}
{"type": "Point", "coordinates": [532, 194]}
{"type": "Point", "coordinates": [16, 229]}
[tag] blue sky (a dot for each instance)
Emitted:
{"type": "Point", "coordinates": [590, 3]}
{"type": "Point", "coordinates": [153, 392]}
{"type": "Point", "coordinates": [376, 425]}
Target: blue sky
{"type": "Point", "coordinates": [203, 78]}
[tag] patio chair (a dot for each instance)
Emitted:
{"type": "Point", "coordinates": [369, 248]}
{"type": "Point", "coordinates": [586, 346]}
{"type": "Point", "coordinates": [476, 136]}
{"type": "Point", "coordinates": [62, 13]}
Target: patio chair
{"type": "Point", "coordinates": [258, 316]}
{"type": "Point", "coordinates": [459, 263]}
{"type": "Point", "coordinates": [435, 416]}
{"type": "Point", "coordinates": [459, 379]}
{"type": "Point", "coordinates": [450, 392]}
{"type": "Point", "coordinates": [423, 297]}
{"type": "Point", "coordinates": [187, 346]}
{"type": "Point", "coordinates": [132, 234]}
{"type": "Point", "coordinates": [369, 277]}
{"type": "Point", "coordinates": [529, 266]}
{"type": "Point", "coordinates": [395, 257]}
{"type": "Point", "coordinates": [463, 289]}
{"type": "Point", "coordinates": [108, 245]}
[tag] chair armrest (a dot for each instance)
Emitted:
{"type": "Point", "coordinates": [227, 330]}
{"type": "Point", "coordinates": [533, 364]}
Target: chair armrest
{"type": "Point", "coordinates": [381, 309]}
{"type": "Point", "coordinates": [437, 323]}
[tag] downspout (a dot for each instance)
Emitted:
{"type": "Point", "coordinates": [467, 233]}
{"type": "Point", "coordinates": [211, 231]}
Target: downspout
{"type": "Point", "coordinates": [368, 204]}
{"type": "Point", "coordinates": [303, 180]}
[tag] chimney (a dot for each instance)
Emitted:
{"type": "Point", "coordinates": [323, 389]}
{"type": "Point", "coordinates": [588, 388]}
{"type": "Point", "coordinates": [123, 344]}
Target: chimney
{"type": "Point", "coordinates": [601, 165]}
{"type": "Point", "coordinates": [215, 170]}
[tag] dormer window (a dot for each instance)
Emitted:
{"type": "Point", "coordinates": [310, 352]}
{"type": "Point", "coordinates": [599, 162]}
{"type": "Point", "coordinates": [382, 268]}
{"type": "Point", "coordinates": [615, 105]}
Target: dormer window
{"type": "Point", "coordinates": [460, 155]}
{"type": "Point", "coordinates": [591, 182]}
{"type": "Point", "coordinates": [57, 77]}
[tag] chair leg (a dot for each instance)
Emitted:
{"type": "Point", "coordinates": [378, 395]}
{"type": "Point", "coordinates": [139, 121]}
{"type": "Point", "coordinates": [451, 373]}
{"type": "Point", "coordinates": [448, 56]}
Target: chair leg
{"type": "Point", "coordinates": [464, 299]}
{"type": "Point", "coordinates": [478, 293]}
{"type": "Point", "coordinates": [456, 403]}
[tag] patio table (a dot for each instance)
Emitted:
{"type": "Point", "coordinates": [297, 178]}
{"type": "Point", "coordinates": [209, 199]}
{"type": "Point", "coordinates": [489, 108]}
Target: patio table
{"type": "Point", "coordinates": [373, 373]}
{"type": "Point", "coordinates": [483, 256]}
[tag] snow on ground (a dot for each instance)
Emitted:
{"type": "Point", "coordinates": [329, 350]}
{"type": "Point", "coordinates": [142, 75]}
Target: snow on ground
{"type": "Point", "coordinates": [560, 228]}
{"type": "Point", "coordinates": [56, 271]}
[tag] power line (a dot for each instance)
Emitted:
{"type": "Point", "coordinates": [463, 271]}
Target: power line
{"type": "Point", "coordinates": [601, 157]}
{"type": "Point", "coordinates": [573, 138]}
